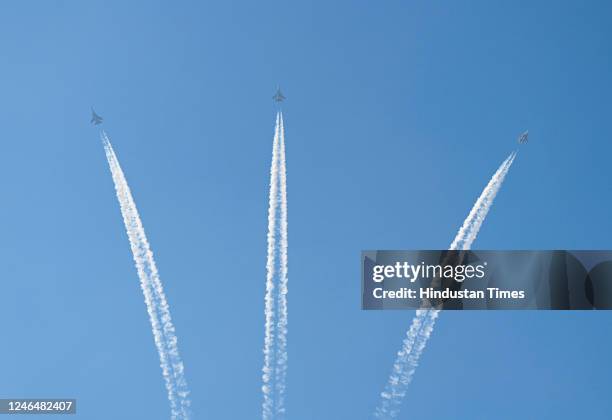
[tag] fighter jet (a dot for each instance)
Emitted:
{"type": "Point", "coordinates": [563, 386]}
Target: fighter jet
{"type": "Point", "coordinates": [95, 118]}
{"type": "Point", "coordinates": [523, 138]}
{"type": "Point", "coordinates": [278, 96]}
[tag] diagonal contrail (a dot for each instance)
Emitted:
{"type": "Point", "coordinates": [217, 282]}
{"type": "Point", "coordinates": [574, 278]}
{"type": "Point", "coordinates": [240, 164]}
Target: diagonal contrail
{"type": "Point", "coordinates": [468, 231]}
{"type": "Point", "coordinates": [281, 358]}
{"type": "Point", "coordinates": [269, 329]}
{"type": "Point", "coordinates": [422, 325]}
{"type": "Point", "coordinates": [157, 306]}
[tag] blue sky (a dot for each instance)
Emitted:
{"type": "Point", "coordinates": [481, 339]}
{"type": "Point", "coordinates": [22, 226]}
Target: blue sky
{"type": "Point", "coordinates": [397, 115]}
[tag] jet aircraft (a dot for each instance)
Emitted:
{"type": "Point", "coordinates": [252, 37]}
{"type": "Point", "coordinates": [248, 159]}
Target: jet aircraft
{"type": "Point", "coordinates": [95, 118]}
{"type": "Point", "coordinates": [278, 96]}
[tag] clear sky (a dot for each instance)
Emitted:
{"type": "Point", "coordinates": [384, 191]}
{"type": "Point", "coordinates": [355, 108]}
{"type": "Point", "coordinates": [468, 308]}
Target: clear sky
{"type": "Point", "coordinates": [397, 114]}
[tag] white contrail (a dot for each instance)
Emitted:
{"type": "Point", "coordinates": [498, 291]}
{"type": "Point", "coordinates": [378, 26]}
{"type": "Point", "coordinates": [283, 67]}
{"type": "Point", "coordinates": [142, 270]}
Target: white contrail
{"type": "Point", "coordinates": [468, 231]}
{"type": "Point", "coordinates": [276, 314]}
{"type": "Point", "coordinates": [269, 329]}
{"type": "Point", "coordinates": [281, 357]}
{"type": "Point", "coordinates": [422, 325]}
{"type": "Point", "coordinates": [155, 299]}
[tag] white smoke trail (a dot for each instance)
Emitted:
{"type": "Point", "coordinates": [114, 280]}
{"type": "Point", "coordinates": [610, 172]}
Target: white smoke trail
{"type": "Point", "coordinates": [422, 325]}
{"type": "Point", "coordinates": [155, 299]}
{"type": "Point", "coordinates": [281, 358]}
{"type": "Point", "coordinates": [468, 231]}
{"type": "Point", "coordinates": [269, 333]}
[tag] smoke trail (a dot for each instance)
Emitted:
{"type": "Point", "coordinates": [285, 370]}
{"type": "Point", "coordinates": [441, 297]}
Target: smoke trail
{"type": "Point", "coordinates": [422, 325]}
{"type": "Point", "coordinates": [269, 333]}
{"type": "Point", "coordinates": [275, 336]}
{"type": "Point", "coordinates": [281, 358]}
{"type": "Point", "coordinates": [468, 231]}
{"type": "Point", "coordinates": [157, 306]}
